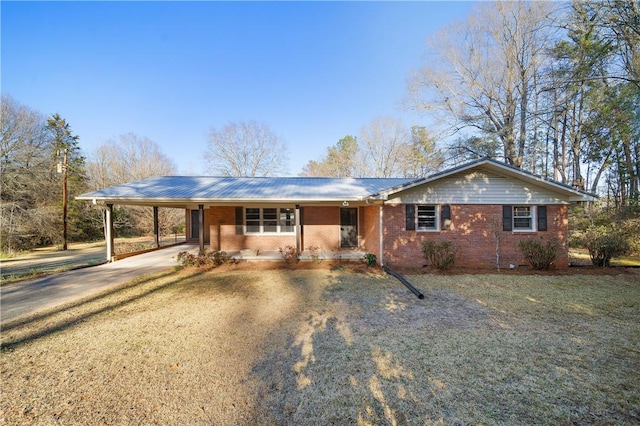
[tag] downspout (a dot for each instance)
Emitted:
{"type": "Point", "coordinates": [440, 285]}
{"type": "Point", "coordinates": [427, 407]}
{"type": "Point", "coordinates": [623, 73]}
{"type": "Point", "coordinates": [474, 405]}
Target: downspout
{"type": "Point", "coordinates": [381, 237]}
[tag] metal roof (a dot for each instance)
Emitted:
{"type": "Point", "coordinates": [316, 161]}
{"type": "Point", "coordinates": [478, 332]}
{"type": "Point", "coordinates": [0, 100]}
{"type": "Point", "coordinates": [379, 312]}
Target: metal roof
{"type": "Point", "coordinates": [197, 189]}
{"type": "Point", "coordinates": [180, 190]}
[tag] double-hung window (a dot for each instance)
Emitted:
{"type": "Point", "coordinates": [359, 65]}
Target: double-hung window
{"type": "Point", "coordinates": [522, 218]}
{"type": "Point", "coordinates": [269, 220]}
{"type": "Point", "coordinates": [427, 217]}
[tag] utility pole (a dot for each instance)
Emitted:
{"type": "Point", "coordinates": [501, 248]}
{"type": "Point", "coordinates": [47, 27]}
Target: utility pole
{"type": "Point", "coordinates": [65, 144]}
{"type": "Point", "coordinates": [62, 168]}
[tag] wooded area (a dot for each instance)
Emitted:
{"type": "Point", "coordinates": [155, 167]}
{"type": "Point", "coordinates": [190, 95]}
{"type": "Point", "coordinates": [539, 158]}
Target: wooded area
{"type": "Point", "coordinates": [550, 87]}
{"type": "Point", "coordinates": [553, 88]}
{"type": "Point", "coordinates": [36, 151]}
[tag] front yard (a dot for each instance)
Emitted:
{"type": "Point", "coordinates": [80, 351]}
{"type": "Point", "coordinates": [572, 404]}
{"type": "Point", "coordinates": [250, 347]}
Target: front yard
{"type": "Point", "coordinates": [332, 347]}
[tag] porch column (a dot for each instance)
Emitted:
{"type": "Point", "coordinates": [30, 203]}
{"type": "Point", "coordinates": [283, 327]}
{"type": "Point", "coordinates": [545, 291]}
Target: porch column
{"type": "Point", "coordinates": [108, 234]}
{"type": "Point", "coordinates": [298, 230]}
{"type": "Point", "coordinates": [156, 230]}
{"type": "Point", "coordinates": [201, 227]}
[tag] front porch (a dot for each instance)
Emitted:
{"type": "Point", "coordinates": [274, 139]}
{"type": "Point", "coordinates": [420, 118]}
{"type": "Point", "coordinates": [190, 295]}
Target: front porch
{"type": "Point", "coordinates": [274, 255]}
{"type": "Point", "coordinates": [258, 255]}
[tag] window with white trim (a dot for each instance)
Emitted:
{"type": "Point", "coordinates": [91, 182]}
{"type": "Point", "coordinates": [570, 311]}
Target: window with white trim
{"type": "Point", "coordinates": [427, 217]}
{"type": "Point", "coordinates": [269, 220]}
{"type": "Point", "coordinates": [523, 218]}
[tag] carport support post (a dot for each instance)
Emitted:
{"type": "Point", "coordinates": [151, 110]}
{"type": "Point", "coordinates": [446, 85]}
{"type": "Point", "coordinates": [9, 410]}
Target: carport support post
{"type": "Point", "coordinates": [156, 230]}
{"type": "Point", "coordinates": [109, 232]}
{"type": "Point", "coordinates": [298, 230]}
{"type": "Point", "coordinates": [201, 227]}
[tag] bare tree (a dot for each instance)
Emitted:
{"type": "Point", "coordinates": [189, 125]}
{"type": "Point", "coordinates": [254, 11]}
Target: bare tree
{"type": "Point", "coordinates": [246, 148]}
{"type": "Point", "coordinates": [385, 146]}
{"type": "Point", "coordinates": [30, 188]}
{"type": "Point", "coordinates": [24, 172]}
{"type": "Point", "coordinates": [483, 70]}
{"type": "Point", "coordinates": [129, 158]}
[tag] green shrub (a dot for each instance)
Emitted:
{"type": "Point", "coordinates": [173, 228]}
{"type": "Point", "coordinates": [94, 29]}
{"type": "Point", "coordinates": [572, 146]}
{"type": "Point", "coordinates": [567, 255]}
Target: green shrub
{"type": "Point", "coordinates": [289, 254]}
{"type": "Point", "coordinates": [370, 259]}
{"type": "Point", "coordinates": [539, 255]}
{"type": "Point", "coordinates": [439, 255]}
{"type": "Point", "coordinates": [631, 228]}
{"type": "Point", "coordinates": [605, 243]}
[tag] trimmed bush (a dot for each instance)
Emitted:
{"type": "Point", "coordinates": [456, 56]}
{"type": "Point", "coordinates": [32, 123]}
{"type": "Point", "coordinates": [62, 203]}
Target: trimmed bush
{"type": "Point", "coordinates": [439, 255]}
{"type": "Point", "coordinates": [289, 254]}
{"type": "Point", "coordinates": [210, 259]}
{"type": "Point", "coordinates": [605, 243]}
{"type": "Point", "coordinates": [539, 254]}
{"type": "Point", "coordinates": [315, 253]}
{"type": "Point", "coordinates": [370, 259]}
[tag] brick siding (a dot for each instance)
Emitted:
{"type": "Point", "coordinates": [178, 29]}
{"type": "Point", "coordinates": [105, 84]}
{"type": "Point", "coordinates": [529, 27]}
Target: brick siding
{"type": "Point", "coordinates": [473, 232]}
{"type": "Point", "coordinates": [321, 228]}
{"type": "Point", "coordinates": [370, 229]}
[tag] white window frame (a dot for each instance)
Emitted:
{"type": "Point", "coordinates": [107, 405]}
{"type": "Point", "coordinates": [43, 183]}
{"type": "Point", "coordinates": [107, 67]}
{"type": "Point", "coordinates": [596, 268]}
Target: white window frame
{"type": "Point", "coordinates": [531, 217]}
{"type": "Point", "coordinates": [436, 221]}
{"type": "Point", "coordinates": [261, 221]}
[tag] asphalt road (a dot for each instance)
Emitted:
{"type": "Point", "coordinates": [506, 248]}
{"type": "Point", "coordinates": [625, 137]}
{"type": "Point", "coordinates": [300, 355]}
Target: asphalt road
{"type": "Point", "coordinates": [29, 296]}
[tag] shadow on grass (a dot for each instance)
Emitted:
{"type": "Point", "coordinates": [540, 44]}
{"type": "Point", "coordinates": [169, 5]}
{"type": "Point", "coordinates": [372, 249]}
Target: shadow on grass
{"type": "Point", "coordinates": [331, 370]}
{"type": "Point", "coordinates": [56, 325]}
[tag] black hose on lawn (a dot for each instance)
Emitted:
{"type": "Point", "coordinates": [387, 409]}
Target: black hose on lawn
{"type": "Point", "coordinates": [404, 281]}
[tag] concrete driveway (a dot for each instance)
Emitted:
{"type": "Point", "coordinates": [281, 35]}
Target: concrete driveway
{"type": "Point", "coordinates": [29, 296]}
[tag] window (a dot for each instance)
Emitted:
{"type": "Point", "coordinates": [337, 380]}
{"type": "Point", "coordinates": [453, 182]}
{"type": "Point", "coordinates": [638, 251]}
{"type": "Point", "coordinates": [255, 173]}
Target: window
{"type": "Point", "coordinates": [269, 220]}
{"type": "Point", "coordinates": [522, 218]}
{"type": "Point", "coordinates": [287, 220]}
{"type": "Point", "coordinates": [427, 218]}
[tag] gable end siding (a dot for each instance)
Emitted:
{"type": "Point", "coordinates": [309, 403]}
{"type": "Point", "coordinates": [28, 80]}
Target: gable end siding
{"type": "Point", "coordinates": [476, 187]}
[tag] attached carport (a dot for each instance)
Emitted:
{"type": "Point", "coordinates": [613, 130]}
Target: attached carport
{"type": "Point", "coordinates": [202, 193]}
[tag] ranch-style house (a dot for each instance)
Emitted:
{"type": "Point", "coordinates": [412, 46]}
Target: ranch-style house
{"type": "Point", "coordinates": [471, 205]}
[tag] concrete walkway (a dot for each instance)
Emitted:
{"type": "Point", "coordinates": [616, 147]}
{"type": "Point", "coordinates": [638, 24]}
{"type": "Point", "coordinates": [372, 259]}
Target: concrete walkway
{"type": "Point", "coordinates": [29, 296]}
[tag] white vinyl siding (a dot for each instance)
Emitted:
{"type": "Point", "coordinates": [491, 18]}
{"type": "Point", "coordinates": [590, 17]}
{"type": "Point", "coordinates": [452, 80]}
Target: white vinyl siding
{"type": "Point", "coordinates": [478, 187]}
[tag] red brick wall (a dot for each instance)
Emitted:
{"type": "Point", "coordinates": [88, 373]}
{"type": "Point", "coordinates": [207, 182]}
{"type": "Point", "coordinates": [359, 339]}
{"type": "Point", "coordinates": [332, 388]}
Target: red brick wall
{"type": "Point", "coordinates": [472, 231]}
{"type": "Point", "coordinates": [321, 228]}
{"type": "Point", "coordinates": [370, 229]}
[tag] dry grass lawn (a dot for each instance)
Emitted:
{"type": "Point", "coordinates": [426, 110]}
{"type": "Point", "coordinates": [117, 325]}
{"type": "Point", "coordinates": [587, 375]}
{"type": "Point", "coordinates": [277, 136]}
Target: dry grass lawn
{"type": "Point", "coordinates": [279, 347]}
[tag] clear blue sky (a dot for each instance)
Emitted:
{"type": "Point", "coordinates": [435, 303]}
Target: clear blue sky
{"type": "Point", "coordinates": [170, 71]}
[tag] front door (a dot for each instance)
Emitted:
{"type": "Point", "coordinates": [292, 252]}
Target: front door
{"type": "Point", "coordinates": [348, 227]}
{"type": "Point", "coordinates": [195, 224]}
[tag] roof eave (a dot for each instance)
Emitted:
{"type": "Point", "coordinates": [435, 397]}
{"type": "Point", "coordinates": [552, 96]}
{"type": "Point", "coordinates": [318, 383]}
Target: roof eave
{"type": "Point", "coordinates": [165, 200]}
